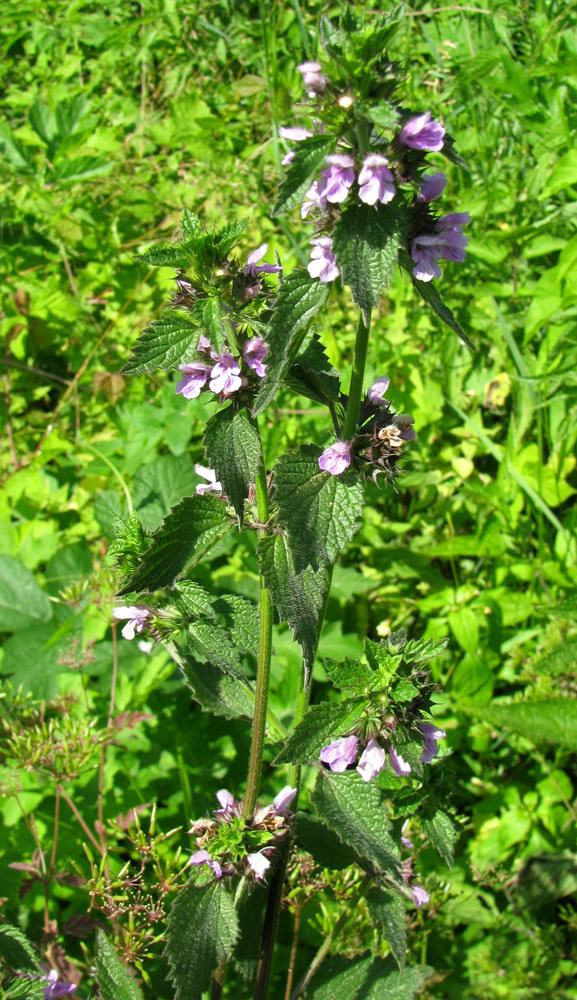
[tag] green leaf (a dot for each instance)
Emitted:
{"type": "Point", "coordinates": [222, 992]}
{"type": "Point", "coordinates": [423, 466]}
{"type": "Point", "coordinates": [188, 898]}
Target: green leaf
{"type": "Point", "coordinates": [357, 813]}
{"type": "Point", "coordinates": [42, 120]}
{"type": "Point", "coordinates": [234, 451]}
{"type": "Point", "coordinates": [388, 910]}
{"type": "Point", "coordinates": [366, 242]}
{"type": "Point", "coordinates": [320, 841]}
{"type": "Point", "coordinates": [202, 930]}
{"type": "Point", "coordinates": [299, 299]}
{"type": "Point", "coordinates": [251, 913]}
{"type": "Point", "coordinates": [16, 950]}
{"type": "Point", "coordinates": [217, 646]}
{"type": "Point", "coordinates": [428, 292]}
{"type": "Point", "coordinates": [22, 602]}
{"type": "Point", "coordinates": [441, 832]}
{"type": "Point", "coordinates": [547, 877]}
{"type": "Point", "coordinates": [176, 255]}
{"type": "Point", "coordinates": [194, 600]}
{"type": "Point", "coordinates": [451, 154]}
{"type": "Point", "coordinates": [312, 374]}
{"type": "Point", "coordinates": [13, 150]}
{"type": "Point", "coordinates": [553, 721]}
{"type": "Point", "coordinates": [191, 224]}
{"type": "Point", "coordinates": [367, 979]}
{"type": "Point", "coordinates": [349, 673]}
{"type": "Point", "coordinates": [228, 237]}
{"type": "Point", "coordinates": [188, 532]}
{"type": "Point", "coordinates": [308, 156]}
{"type": "Point", "coordinates": [563, 175]}
{"type": "Point", "coordinates": [384, 116]}
{"type": "Point", "coordinates": [380, 659]}
{"type": "Point", "coordinates": [209, 313]}
{"type": "Point", "coordinates": [560, 660]}
{"type": "Point", "coordinates": [217, 692]}
{"type": "Point", "coordinates": [321, 724]}
{"type": "Point", "coordinates": [241, 618]}
{"type": "Point", "coordinates": [298, 598]}
{"type": "Point", "coordinates": [319, 511]}
{"type": "Point", "coordinates": [82, 168]}
{"type": "Point", "coordinates": [165, 344]}
{"type": "Point", "coordinates": [160, 485]}
{"type": "Point", "coordinates": [114, 979]}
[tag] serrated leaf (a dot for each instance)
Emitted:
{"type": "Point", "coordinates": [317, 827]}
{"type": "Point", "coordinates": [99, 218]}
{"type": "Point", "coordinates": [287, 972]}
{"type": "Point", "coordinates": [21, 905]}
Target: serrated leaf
{"type": "Point", "coordinates": [365, 243]}
{"type": "Point", "coordinates": [428, 292]}
{"type": "Point", "coordinates": [321, 724]}
{"type": "Point", "coordinates": [319, 511]}
{"type": "Point", "coordinates": [357, 813]}
{"type": "Point", "coordinates": [298, 598]}
{"type": "Point", "coordinates": [312, 374]}
{"type": "Point", "coordinates": [442, 833]}
{"type": "Point", "coordinates": [209, 313]}
{"type": "Point", "coordinates": [176, 255]}
{"type": "Point", "coordinates": [451, 154]}
{"type": "Point", "coordinates": [217, 646]}
{"type": "Point", "coordinates": [422, 650]}
{"type": "Point", "coordinates": [233, 450]}
{"type": "Point", "coordinates": [227, 237]}
{"type": "Point", "coordinates": [388, 910]}
{"type": "Point", "coordinates": [191, 224]}
{"type": "Point", "coordinates": [552, 721]}
{"type": "Point", "coordinates": [349, 673]}
{"type": "Point", "coordinates": [299, 299]}
{"type": "Point", "coordinates": [165, 344]}
{"type": "Point", "coordinates": [16, 950]}
{"type": "Point", "coordinates": [320, 841]}
{"type": "Point", "coordinates": [194, 600]}
{"type": "Point", "coordinates": [379, 657]}
{"type": "Point", "coordinates": [201, 933]}
{"type": "Point", "coordinates": [188, 532]}
{"type": "Point", "coordinates": [114, 979]}
{"type": "Point", "coordinates": [384, 116]}
{"type": "Point", "coordinates": [308, 156]}
{"type": "Point", "coordinates": [241, 618]}
{"type": "Point", "coordinates": [217, 692]}
{"type": "Point", "coordinates": [560, 660]}
{"type": "Point", "coordinates": [367, 979]}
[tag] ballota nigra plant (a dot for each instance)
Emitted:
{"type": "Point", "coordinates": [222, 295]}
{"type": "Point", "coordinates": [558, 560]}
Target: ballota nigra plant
{"type": "Point", "coordinates": [239, 329]}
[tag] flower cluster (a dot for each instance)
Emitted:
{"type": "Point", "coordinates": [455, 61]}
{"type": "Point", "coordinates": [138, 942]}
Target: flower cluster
{"type": "Point", "coordinates": [238, 846]}
{"type": "Point", "coordinates": [342, 753]}
{"type": "Point", "coordinates": [223, 374]}
{"type": "Point", "coordinates": [138, 618]}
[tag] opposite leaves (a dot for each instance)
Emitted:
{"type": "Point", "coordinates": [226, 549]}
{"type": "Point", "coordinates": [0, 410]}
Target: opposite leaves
{"type": "Point", "coordinates": [202, 931]}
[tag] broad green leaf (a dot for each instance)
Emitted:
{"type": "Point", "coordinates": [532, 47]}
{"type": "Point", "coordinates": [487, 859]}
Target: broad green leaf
{"type": "Point", "coordinates": [22, 602]}
{"type": "Point", "coordinates": [442, 833]}
{"type": "Point", "coordinates": [367, 979]}
{"type": "Point", "coordinates": [177, 255]}
{"type": "Point", "coordinates": [228, 237]}
{"type": "Point", "coordinates": [388, 910]}
{"type": "Point", "coordinates": [298, 598]}
{"type": "Point", "coordinates": [547, 877]}
{"type": "Point", "coordinates": [12, 150]}
{"type": "Point", "coordinates": [241, 618]}
{"type": "Point", "coordinates": [319, 511]}
{"type": "Point", "coordinates": [563, 175]}
{"type": "Point", "coordinates": [31, 658]}
{"type": "Point", "coordinates": [160, 484]}
{"type": "Point", "coordinates": [201, 933]}
{"type": "Point", "coordinates": [217, 692]}
{"type": "Point", "coordinates": [320, 841]}
{"type": "Point", "coordinates": [209, 313]}
{"type": "Point", "coordinates": [384, 115]}
{"type": "Point", "coordinates": [349, 673]}
{"type": "Point", "coordinates": [321, 725]}
{"type": "Point", "coordinates": [165, 344]}
{"type": "Point", "coordinates": [552, 721]}
{"type": "Point", "coordinates": [563, 659]}
{"type": "Point", "coordinates": [308, 156]}
{"type": "Point", "coordinates": [299, 299]}
{"type": "Point", "coordinates": [566, 608]}
{"type": "Point", "coordinates": [191, 224]}
{"type": "Point", "coordinates": [42, 120]}
{"type": "Point", "coordinates": [366, 242]}
{"type": "Point", "coordinates": [188, 532]}
{"type": "Point", "coordinates": [312, 374]}
{"type": "Point", "coordinates": [114, 980]}
{"type": "Point", "coordinates": [16, 950]}
{"type": "Point", "coordinates": [194, 600]}
{"type": "Point", "coordinates": [234, 451]}
{"type": "Point", "coordinates": [82, 168]}
{"type": "Point", "coordinates": [217, 645]}
{"type": "Point", "coordinates": [357, 813]}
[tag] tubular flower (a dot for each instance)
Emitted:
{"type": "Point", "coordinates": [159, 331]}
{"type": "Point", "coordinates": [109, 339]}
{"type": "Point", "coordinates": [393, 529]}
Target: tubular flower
{"type": "Point", "coordinates": [336, 459]}
{"type": "Point", "coordinates": [255, 351]}
{"type": "Point", "coordinates": [204, 858]}
{"type": "Point", "coordinates": [293, 135]}
{"type": "Point", "coordinates": [431, 735]}
{"type": "Point", "coordinates": [137, 614]}
{"type": "Point", "coordinates": [259, 863]}
{"type": "Point", "coordinates": [211, 485]}
{"type": "Point", "coordinates": [432, 186]}
{"type": "Point", "coordinates": [337, 178]}
{"type": "Point", "coordinates": [397, 764]}
{"type": "Point", "coordinates": [373, 760]}
{"type": "Point", "coordinates": [323, 263]}
{"type": "Point", "coordinates": [225, 375]}
{"type": "Point", "coordinates": [340, 754]}
{"type": "Point", "coordinates": [376, 180]}
{"type": "Point", "coordinates": [447, 241]}
{"type": "Point", "coordinates": [313, 200]}
{"type": "Point", "coordinates": [54, 988]}
{"type": "Point", "coordinates": [253, 268]}
{"type": "Point", "coordinates": [423, 133]}
{"type": "Point", "coordinates": [194, 380]}
{"type": "Point", "coordinates": [314, 81]}
{"type": "Point", "coordinates": [284, 799]}
{"type": "Point", "coordinates": [376, 393]}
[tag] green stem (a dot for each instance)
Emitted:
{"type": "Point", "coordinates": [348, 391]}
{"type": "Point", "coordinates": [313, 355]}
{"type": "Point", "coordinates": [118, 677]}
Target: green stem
{"type": "Point", "coordinates": [357, 377]}
{"type": "Point", "coordinates": [262, 667]}
{"type": "Point", "coordinates": [328, 942]}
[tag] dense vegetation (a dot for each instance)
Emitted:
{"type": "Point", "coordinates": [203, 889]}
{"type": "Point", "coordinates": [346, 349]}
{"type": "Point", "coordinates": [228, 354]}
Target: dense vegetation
{"type": "Point", "coordinates": [115, 120]}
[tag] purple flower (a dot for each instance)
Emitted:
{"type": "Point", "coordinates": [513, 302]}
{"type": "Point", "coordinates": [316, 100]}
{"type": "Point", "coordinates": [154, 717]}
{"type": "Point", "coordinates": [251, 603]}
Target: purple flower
{"type": "Point", "coordinates": [405, 840]}
{"type": "Point", "coordinates": [255, 351]}
{"type": "Point", "coordinates": [337, 178]}
{"type": "Point", "coordinates": [431, 734]}
{"type": "Point", "coordinates": [336, 459]}
{"type": "Point", "coordinates": [340, 754]}
{"type": "Point", "coordinates": [195, 379]}
{"type": "Point", "coordinates": [253, 268]}
{"type": "Point", "coordinates": [228, 806]}
{"type": "Point", "coordinates": [432, 185]}
{"type": "Point", "coordinates": [376, 180]}
{"type": "Point", "coordinates": [204, 858]}
{"type": "Point", "coordinates": [376, 393]}
{"type": "Point", "coordinates": [397, 764]}
{"type": "Point", "coordinates": [419, 894]}
{"type": "Point", "coordinates": [313, 79]}
{"type": "Point", "coordinates": [225, 376]}
{"type": "Point", "coordinates": [313, 200]}
{"type": "Point", "coordinates": [323, 263]}
{"type": "Point", "coordinates": [258, 863]}
{"type": "Point", "coordinates": [447, 241]}
{"type": "Point", "coordinates": [137, 614]}
{"type": "Point", "coordinates": [54, 988]}
{"type": "Point", "coordinates": [284, 799]}
{"type": "Point", "coordinates": [294, 134]}
{"type": "Point", "coordinates": [211, 485]}
{"type": "Point", "coordinates": [422, 133]}
{"type": "Point", "coordinates": [373, 760]}
{"type": "Point", "coordinates": [404, 425]}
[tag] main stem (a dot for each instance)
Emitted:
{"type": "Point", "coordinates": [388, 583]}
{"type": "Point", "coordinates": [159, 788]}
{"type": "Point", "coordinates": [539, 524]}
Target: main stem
{"type": "Point", "coordinates": [357, 377]}
{"type": "Point", "coordinates": [262, 667]}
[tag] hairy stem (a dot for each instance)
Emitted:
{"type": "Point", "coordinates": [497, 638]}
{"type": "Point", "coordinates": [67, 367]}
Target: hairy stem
{"type": "Point", "coordinates": [263, 665]}
{"type": "Point", "coordinates": [357, 377]}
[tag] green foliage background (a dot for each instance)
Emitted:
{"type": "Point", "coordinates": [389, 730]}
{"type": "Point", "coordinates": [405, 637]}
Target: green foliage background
{"type": "Point", "coordinates": [115, 117]}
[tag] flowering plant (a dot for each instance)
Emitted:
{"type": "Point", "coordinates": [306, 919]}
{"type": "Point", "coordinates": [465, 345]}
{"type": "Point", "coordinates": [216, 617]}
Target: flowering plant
{"type": "Point", "coordinates": [240, 329]}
